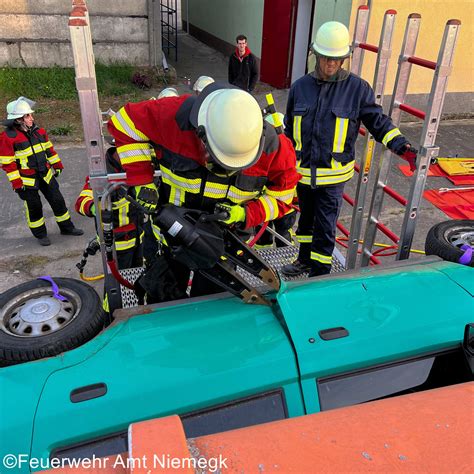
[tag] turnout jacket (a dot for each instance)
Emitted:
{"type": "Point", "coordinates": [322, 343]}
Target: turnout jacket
{"type": "Point", "coordinates": [27, 156]}
{"type": "Point", "coordinates": [243, 71]}
{"type": "Point", "coordinates": [323, 119]}
{"type": "Point", "coordinates": [266, 189]}
{"type": "Point", "coordinates": [127, 219]}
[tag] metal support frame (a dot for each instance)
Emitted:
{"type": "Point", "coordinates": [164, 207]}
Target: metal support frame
{"type": "Point", "coordinates": [371, 147]}
{"type": "Point", "coordinates": [427, 148]}
{"type": "Point", "coordinates": [169, 27]}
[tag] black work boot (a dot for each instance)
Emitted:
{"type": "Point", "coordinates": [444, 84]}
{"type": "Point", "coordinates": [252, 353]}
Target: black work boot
{"type": "Point", "coordinates": [73, 231]}
{"type": "Point", "coordinates": [295, 269]}
{"type": "Point", "coordinates": [44, 241]}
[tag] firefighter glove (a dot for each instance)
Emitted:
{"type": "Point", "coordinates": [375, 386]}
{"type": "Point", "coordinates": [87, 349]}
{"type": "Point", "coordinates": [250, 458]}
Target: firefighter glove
{"type": "Point", "coordinates": [147, 196]}
{"type": "Point", "coordinates": [20, 189]}
{"type": "Point", "coordinates": [57, 172]}
{"type": "Point", "coordinates": [92, 210]}
{"type": "Point", "coordinates": [408, 153]}
{"type": "Point", "coordinates": [235, 213]}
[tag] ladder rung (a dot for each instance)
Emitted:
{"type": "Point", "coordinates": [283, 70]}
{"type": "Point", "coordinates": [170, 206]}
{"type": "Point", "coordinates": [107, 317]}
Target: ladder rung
{"type": "Point", "coordinates": [369, 47]}
{"type": "Point", "coordinates": [385, 230]}
{"type": "Point", "coordinates": [392, 193]}
{"type": "Point", "coordinates": [422, 62]}
{"type": "Point", "coordinates": [348, 199]}
{"type": "Point", "coordinates": [412, 110]}
{"type": "Point", "coordinates": [343, 229]}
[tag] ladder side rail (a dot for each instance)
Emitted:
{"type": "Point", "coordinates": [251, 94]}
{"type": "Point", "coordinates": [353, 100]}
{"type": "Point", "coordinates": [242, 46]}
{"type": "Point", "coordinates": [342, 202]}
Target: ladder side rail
{"type": "Point", "coordinates": [383, 170]}
{"type": "Point", "coordinates": [427, 147]}
{"type": "Point", "coordinates": [360, 37]}
{"type": "Point", "coordinates": [380, 75]}
{"type": "Point", "coordinates": [86, 84]}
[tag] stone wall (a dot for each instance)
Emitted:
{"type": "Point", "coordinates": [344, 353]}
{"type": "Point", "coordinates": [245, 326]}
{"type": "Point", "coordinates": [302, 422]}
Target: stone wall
{"type": "Point", "coordinates": [34, 33]}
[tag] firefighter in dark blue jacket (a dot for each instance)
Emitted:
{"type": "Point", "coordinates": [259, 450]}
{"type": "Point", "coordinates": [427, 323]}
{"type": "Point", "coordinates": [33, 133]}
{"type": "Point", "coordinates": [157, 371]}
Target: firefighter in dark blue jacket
{"type": "Point", "coordinates": [324, 112]}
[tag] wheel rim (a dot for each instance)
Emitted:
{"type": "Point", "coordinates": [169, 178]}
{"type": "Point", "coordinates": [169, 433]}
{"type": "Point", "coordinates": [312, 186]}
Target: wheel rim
{"type": "Point", "coordinates": [458, 237]}
{"type": "Point", "coordinates": [36, 313]}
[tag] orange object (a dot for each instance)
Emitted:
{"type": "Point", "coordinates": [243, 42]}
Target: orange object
{"type": "Point", "coordinates": [455, 204]}
{"type": "Point", "coordinates": [423, 432]}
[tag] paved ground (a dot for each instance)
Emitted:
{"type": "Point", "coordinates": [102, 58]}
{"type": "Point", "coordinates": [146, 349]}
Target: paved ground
{"type": "Point", "coordinates": [22, 258]}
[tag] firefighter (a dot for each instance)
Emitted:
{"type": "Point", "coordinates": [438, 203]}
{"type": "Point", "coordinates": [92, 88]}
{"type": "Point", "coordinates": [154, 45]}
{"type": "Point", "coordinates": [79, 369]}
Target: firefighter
{"type": "Point", "coordinates": [324, 111]}
{"type": "Point", "coordinates": [32, 165]}
{"type": "Point", "coordinates": [215, 148]}
{"type": "Point", "coordinates": [168, 92]}
{"type": "Point", "coordinates": [127, 219]}
{"type": "Point", "coordinates": [201, 83]}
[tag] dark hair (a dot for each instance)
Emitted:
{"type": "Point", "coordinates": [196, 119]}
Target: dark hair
{"type": "Point", "coordinates": [240, 38]}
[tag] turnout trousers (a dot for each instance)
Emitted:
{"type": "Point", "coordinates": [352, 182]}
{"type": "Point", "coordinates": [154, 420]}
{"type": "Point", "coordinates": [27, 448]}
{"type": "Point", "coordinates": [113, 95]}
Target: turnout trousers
{"type": "Point", "coordinates": [34, 207]}
{"type": "Point", "coordinates": [316, 232]}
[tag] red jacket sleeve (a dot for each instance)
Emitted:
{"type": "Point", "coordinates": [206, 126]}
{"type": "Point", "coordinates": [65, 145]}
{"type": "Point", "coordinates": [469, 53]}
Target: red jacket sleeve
{"type": "Point", "coordinates": [85, 200]}
{"type": "Point", "coordinates": [7, 159]}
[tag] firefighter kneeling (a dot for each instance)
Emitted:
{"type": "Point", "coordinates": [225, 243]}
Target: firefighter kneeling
{"type": "Point", "coordinates": [214, 149]}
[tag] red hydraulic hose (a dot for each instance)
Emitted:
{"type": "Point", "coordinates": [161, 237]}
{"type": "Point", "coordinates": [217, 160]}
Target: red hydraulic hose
{"type": "Point", "coordinates": [113, 268]}
{"type": "Point", "coordinates": [258, 234]}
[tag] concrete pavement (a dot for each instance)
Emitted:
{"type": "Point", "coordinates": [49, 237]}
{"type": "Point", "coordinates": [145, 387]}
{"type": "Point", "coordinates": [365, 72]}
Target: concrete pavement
{"type": "Point", "coordinates": [23, 259]}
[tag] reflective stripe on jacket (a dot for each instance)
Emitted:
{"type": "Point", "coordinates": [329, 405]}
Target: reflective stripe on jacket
{"type": "Point", "coordinates": [323, 120]}
{"type": "Point", "coordinates": [24, 156]}
{"type": "Point", "coordinates": [266, 188]}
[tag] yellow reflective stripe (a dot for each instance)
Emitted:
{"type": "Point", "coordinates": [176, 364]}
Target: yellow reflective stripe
{"type": "Point", "coordinates": [304, 239]}
{"type": "Point", "coordinates": [125, 244]}
{"type": "Point", "coordinates": [215, 190]}
{"type": "Point", "coordinates": [124, 124]}
{"type": "Point", "coordinates": [270, 206]}
{"type": "Point", "coordinates": [32, 224]}
{"type": "Point", "coordinates": [340, 134]}
{"type": "Point", "coordinates": [134, 159]}
{"type": "Point", "coordinates": [82, 207]}
{"type": "Point", "coordinates": [38, 148]}
{"type": "Point", "coordinates": [54, 159]}
{"type": "Point", "coordinates": [105, 303]}
{"type": "Point", "coordinates": [132, 147]}
{"type": "Point", "coordinates": [47, 144]}
{"type": "Point", "coordinates": [297, 131]}
{"type": "Point", "coordinates": [123, 214]}
{"type": "Point", "coordinates": [323, 181]}
{"type": "Point", "coordinates": [48, 176]}
{"type": "Point", "coordinates": [304, 171]}
{"type": "Point", "coordinates": [63, 218]}
{"type": "Point", "coordinates": [391, 135]}
{"type": "Point", "coordinates": [305, 180]}
{"type": "Point", "coordinates": [137, 152]}
{"type": "Point", "coordinates": [189, 185]}
{"type": "Point", "coordinates": [86, 193]}
{"type": "Point", "coordinates": [285, 196]}
{"type": "Point", "coordinates": [13, 175]}
{"type": "Point", "coordinates": [28, 181]}
{"type": "Point", "coordinates": [237, 195]}
{"type": "Point", "coordinates": [321, 258]}
{"type": "Point", "coordinates": [6, 160]}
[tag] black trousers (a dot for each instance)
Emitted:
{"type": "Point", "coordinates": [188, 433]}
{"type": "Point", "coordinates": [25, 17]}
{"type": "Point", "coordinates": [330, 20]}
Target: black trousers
{"type": "Point", "coordinates": [34, 207]}
{"type": "Point", "coordinates": [316, 232]}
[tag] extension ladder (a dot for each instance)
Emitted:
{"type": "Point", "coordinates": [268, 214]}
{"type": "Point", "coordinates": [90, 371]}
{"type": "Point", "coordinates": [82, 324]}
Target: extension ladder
{"type": "Point", "coordinates": [427, 149]}
{"type": "Point", "coordinates": [383, 51]}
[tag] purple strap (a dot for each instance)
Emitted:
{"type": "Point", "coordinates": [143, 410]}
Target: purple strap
{"type": "Point", "coordinates": [466, 257]}
{"type": "Point", "coordinates": [54, 287]}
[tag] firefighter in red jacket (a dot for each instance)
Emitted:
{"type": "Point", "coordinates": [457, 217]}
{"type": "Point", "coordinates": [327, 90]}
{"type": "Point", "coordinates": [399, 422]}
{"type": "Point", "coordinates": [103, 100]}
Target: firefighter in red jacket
{"type": "Point", "coordinates": [215, 148]}
{"type": "Point", "coordinates": [32, 165]}
{"type": "Point", "coordinates": [127, 219]}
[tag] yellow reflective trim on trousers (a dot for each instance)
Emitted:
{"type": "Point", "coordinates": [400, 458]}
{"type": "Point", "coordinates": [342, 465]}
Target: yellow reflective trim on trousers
{"type": "Point", "coordinates": [48, 176]}
{"type": "Point", "coordinates": [105, 303]}
{"type": "Point", "coordinates": [285, 196]}
{"type": "Point", "coordinates": [340, 134]}
{"type": "Point", "coordinates": [54, 159]}
{"type": "Point", "coordinates": [125, 244]}
{"type": "Point", "coordinates": [395, 132]}
{"type": "Point", "coordinates": [215, 190]}
{"type": "Point", "coordinates": [6, 160]}
{"type": "Point", "coordinates": [304, 239]}
{"type": "Point", "coordinates": [63, 218]}
{"type": "Point", "coordinates": [321, 258]}
{"type": "Point", "coordinates": [270, 206]}
{"type": "Point", "coordinates": [297, 131]}
{"type": "Point", "coordinates": [13, 175]}
{"type": "Point", "coordinates": [32, 224]}
{"type": "Point", "coordinates": [124, 124]}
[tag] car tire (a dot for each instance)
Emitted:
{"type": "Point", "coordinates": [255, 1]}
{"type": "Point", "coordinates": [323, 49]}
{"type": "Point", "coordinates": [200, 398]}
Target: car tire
{"type": "Point", "coordinates": [446, 239]}
{"type": "Point", "coordinates": [35, 324]}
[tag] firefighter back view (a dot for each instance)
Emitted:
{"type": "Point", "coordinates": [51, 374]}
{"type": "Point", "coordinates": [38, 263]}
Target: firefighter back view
{"type": "Point", "coordinates": [215, 152]}
{"type": "Point", "coordinates": [32, 165]}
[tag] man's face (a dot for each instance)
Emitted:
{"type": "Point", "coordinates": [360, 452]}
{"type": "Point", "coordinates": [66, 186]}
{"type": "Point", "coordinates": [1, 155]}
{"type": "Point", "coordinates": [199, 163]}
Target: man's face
{"type": "Point", "coordinates": [241, 45]}
{"type": "Point", "coordinates": [329, 66]}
